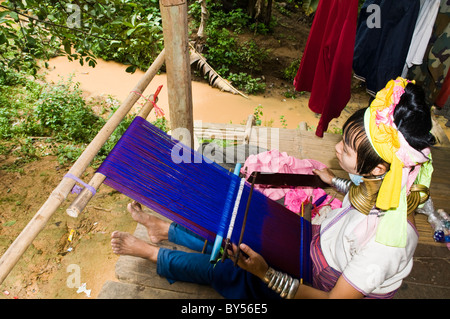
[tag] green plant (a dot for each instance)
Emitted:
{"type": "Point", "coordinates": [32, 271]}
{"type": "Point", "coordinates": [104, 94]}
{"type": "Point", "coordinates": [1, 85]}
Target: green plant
{"type": "Point", "coordinates": [293, 94]}
{"type": "Point", "coordinates": [18, 93]}
{"type": "Point", "coordinates": [221, 50]}
{"type": "Point", "coordinates": [129, 32]}
{"type": "Point", "coordinates": [290, 72]}
{"type": "Point", "coordinates": [162, 123]}
{"type": "Point", "coordinates": [57, 116]}
{"type": "Point", "coordinates": [68, 153]}
{"type": "Point", "coordinates": [251, 57]}
{"type": "Point", "coordinates": [247, 83]}
{"type": "Point", "coordinates": [257, 113]}
{"type": "Point", "coordinates": [262, 28]}
{"type": "Point", "coordinates": [236, 20]}
{"type": "Point", "coordinates": [27, 151]}
{"type": "Point", "coordinates": [283, 121]}
{"type": "Point", "coordinates": [224, 52]}
{"type": "Point", "coordinates": [310, 6]}
{"type": "Point", "coordinates": [62, 112]}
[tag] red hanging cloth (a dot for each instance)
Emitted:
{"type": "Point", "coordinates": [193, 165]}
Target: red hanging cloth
{"type": "Point", "coordinates": [326, 66]}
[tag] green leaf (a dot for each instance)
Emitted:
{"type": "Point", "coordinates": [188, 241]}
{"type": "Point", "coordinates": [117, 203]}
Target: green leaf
{"type": "Point", "coordinates": [310, 6]}
{"type": "Point", "coordinates": [131, 69]}
{"type": "Point", "coordinates": [14, 15]}
{"type": "Point", "coordinates": [4, 14]}
{"type": "Point", "coordinates": [67, 47]}
{"type": "Point", "coordinates": [128, 24]}
{"type": "Point", "coordinates": [10, 223]}
{"type": "Point", "coordinates": [3, 38]}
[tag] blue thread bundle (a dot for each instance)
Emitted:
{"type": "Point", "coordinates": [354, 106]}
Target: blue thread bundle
{"type": "Point", "coordinates": [191, 190]}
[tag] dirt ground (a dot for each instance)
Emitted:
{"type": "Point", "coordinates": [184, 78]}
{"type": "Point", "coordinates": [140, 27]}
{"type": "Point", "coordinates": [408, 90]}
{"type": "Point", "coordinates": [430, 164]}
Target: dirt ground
{"type": "Point", "coordinates": [53, 263]}
{"type": "Point", "coordinates": [50, 266]}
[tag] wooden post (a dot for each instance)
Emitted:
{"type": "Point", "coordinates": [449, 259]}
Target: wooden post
{"type": "Point", "coordinates": [59, 194]}
{"type": "Point", "coordinates": [179, 87]}
{"type": "Point", "coordinates": [248, 128]}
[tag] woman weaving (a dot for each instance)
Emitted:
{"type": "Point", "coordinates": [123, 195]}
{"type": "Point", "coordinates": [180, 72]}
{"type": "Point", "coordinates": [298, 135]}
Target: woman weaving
{"type": "Point", "coordinates": [364, 249]}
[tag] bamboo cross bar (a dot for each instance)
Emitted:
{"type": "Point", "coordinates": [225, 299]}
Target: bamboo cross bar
{"type": "Point", "coordinates": [81, 201]}
{"type": "Point", "coordinates": [59, 194]}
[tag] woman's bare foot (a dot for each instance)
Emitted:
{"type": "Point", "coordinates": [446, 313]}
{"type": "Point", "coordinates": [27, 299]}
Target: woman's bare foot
{"type": "Point", "coordinates": [157, 229]}
{"type": "Point", "coordinates": [126, 244]}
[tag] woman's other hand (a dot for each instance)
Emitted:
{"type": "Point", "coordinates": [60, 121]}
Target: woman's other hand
{"type": "Point", "coordinates": [249, 260]}
{"type": "Point", "coordinates": [325, 174]}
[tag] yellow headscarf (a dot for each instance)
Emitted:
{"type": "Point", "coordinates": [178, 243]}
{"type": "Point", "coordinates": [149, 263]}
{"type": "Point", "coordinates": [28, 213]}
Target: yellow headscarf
{"type": "Point", "coordinates": [384, 138]}
{"type": "Point", "coordinates": [392, 147]}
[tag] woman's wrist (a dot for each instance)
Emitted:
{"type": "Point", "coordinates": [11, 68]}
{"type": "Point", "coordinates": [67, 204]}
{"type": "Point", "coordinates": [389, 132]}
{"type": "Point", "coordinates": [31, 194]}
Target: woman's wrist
{"type": "Point", "coordinates": [282, 283]}
{"type": "Point", "coordinates": [342, 185]}
{"type": "Point", "coordinates": [268, 275]}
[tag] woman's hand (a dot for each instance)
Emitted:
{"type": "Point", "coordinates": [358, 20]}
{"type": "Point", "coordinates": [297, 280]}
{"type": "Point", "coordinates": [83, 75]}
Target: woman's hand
{"type": "Point", "coordinates": [255, 264]}
{"type": "Point", "coordinates": [325, 174]}
{"type": "Point", "coordinates": [252, 262]}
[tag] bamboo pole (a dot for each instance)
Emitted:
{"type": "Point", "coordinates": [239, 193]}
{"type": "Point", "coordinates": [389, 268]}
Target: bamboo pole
{"type": "Point", "coordinates": [59, 194]}
{"type": "Point", "coordinates": [179, 87]}
{"type": "Point", "coordinates": [81, 201]}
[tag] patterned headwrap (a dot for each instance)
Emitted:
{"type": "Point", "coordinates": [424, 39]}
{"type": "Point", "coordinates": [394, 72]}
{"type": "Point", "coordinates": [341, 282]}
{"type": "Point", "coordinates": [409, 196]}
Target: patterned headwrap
{"type": "Point", "coordinates": [407, 165]}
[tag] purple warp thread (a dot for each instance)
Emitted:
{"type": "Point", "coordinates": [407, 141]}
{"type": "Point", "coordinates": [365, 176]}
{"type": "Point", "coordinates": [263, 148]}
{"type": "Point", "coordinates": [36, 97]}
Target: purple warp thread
{"type": "Point", "coordinates": [76, 189]}
{"type": "Point", "coordinates": [145, 166]}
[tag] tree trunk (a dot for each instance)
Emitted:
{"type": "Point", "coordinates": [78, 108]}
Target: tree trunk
{"type": "Point", "coordinates": [260, 10]}
{"type": "Point", "coordinates": [204, 17]}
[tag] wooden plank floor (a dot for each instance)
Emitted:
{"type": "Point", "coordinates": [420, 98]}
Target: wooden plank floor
{"type": "Point", "coordinates": [137, 278]}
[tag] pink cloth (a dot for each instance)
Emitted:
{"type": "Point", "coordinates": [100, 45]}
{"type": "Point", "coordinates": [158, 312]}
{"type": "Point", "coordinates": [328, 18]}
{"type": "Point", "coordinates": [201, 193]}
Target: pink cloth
{"type": "Point", "coordinates": [275, 161]}
{"type": "Point", "coordinates": [294, 199]}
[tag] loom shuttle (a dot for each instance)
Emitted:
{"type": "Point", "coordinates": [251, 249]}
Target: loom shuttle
{"type": "Point", "coordinates": [219, 237]}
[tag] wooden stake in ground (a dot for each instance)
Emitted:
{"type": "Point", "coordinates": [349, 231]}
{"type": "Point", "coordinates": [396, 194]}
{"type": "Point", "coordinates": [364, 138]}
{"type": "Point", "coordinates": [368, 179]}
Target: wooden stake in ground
{"type": "Point", "coordinates": [179, 87]}
{"type": "Point", "coordinates": [59, 194]}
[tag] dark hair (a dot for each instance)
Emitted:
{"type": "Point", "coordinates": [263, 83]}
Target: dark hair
{"type": "Point", "coordinates": [412, 116]}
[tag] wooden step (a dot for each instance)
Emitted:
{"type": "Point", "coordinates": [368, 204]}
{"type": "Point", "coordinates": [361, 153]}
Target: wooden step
{"type": "Point", "coordinates": [138, 277]}
{"type": "Point", "coordinates": [122, 290]}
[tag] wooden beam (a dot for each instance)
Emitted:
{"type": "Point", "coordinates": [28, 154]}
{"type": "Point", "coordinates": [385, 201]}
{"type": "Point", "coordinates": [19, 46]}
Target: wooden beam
{"type": "Point", "coordinates": [175, 30]}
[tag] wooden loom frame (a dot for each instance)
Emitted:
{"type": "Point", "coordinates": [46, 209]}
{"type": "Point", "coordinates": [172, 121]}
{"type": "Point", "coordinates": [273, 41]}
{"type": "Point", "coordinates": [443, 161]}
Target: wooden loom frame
{"type": "Point", "coordinates": [142, 167]}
